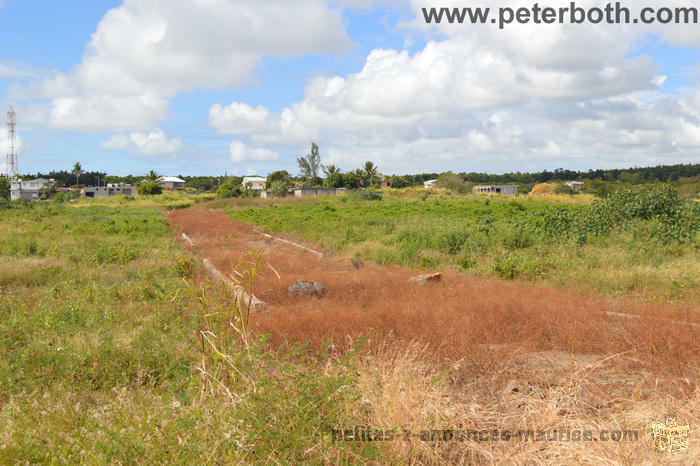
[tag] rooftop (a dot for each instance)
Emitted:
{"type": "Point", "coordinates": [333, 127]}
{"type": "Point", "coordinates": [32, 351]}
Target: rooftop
{"type": "Point", "coordinates": [171, 179]}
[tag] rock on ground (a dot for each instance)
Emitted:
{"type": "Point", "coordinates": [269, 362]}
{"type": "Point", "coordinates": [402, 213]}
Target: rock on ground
{"type": "Point", "coordinates": [307, 288]}
{"type": "Point", "coordinates": [426, 278]}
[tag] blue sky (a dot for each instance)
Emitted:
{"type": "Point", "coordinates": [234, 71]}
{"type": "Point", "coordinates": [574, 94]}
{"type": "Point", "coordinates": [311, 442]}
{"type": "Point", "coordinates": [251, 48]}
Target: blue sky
{"type": "Point", "coordinates": [640, 106]}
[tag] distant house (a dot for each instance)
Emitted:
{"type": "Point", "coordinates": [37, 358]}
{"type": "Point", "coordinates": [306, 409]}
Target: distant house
{"type": "Point", "coordinates": [505, 189]}
{"type": "Point", "coordinates": [112, 189]}
{"type": "Point", "coordinates": [575, 185]}
{"type": "Point", "coordinates": [171, 182]}
{"type": "Point", "coordinates": [300, 192]}
{"type": "Point", "coordinates": [430, 184]}
{"type": "Point", "coordinates": [28, 190]}
{"type": "Point", "coordinates": [254, 182]}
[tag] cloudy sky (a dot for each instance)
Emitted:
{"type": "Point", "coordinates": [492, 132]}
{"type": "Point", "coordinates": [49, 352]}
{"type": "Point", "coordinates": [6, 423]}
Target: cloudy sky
{"type": "Point", "coordinates": [198, 87]}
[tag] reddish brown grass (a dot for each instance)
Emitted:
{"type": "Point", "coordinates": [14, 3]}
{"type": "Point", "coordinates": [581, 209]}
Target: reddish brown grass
{"type": "Point", "coordinates": [457, 318]}
{"type": "Point", "coordinates": [477, 335]}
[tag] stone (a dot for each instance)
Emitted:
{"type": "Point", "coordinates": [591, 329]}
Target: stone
{"type": "Point", "coordinates": [425, 278]}
{"type": "Point", "coordinates": [306, 288]}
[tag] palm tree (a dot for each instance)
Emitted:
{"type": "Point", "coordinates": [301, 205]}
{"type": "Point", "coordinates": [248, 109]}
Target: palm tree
{"type": "Point", "coordinates": [330, 169]}
{"type": "Point", "coordinates": [369, 170]}
{"type": "Point", "coordinates": [77, 170]}
{"type": "Point", "coordinates": [152, 175]}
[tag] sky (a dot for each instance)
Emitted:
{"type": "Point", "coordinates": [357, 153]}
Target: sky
{"type": "Point", "coordinates": [207, 87]}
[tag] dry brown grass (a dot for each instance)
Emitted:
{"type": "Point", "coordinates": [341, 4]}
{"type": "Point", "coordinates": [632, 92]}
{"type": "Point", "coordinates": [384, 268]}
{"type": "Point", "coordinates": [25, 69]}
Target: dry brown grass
{"type": "Point", "coordinates": [588, 368]}
{"type": "Point", "coordinates": [402, 391]}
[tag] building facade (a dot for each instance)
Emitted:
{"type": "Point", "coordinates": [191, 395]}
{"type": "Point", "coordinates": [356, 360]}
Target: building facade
{"type": "Point", "coordinates": [575, 185]}
{"type": "Point", "coordinates": [171, 182]}
{"type": "Point", "coordinates": [112, 189]}
{"type": "Point", "coordinates": [505, 189]}
{"type": "Point", "coordinates": [301, 192]}
{"type": "Point", "coordinates": [28, 190]}
{"type": "Point", "coordinates": [254, 182]}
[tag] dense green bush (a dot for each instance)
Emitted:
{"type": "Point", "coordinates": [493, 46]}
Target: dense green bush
{"type": "Point", "coordinates": [279, 188]}
{"type": "Point", "coordinates": [227, 190]}
{"type": "Point", "coordinates": [334, 180]}
{"type": "Point", "coordinates": [150, 188]}
{"type": "Point", "coordinates": [4, 188]}
{"type": "Point", "coordinates": [674, 218]}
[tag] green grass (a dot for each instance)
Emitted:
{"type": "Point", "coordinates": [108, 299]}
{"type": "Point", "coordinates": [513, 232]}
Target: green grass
{"type": "Point", "coordinates": [100, 343]}
{"type": "Point", "coordinates": [500, 237]}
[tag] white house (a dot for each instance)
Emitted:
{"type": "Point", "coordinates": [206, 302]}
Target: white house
{"type": "Point", "coordinates": [575, 185]}
{"type": "Point", "coordinates": [254, 182]}
{"type": "Point", "coordinates": [112, 189]}
{"type": "Point", "coordinates": [171, 182]}
{"type": "Point", "coordinates": [28, 190]}
{"type": "Point", "coordinates": [430, 184]}
{"type": "Point", "coordinates": [507, 189]}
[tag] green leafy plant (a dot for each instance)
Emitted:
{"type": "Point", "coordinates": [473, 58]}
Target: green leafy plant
{"type": "Point", "coordinates": [150, 188]}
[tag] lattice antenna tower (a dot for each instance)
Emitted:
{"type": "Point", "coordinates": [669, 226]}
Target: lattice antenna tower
{"type": "Point", "coordinates": [11, 162]}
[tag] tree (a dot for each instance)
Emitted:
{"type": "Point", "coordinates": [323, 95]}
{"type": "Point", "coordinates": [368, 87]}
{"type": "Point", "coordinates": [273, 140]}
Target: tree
{"type": "Point", "coordinates": [152, 175]}
{"type": "Point", "coordinates": [399, 182]}
{"type": "Point", "coordinates": [281, 175]}
{"type": "Point", "coordinates": [279, 188]}
{"type": "Point", "coordinates": [310, 164]}
{"type": "Point", "coordinates": [330, 170]}
{"type": "Point", "coordinates": [4, 188]}
{"type": "Point", "coordinates": [228, 190]}
{"type": "Point", "coordinates": [334, 180]}
{"type": "Point", "coordinates": [454, 183]}
{"type": "Point", "coordinates": [77, 170]}
{"type": "Point", "coordinates": [369, 173]}
{"type": "Point", "coordinates": [351, 180]}
{"type": "Point", "coordinates": [150, 188]}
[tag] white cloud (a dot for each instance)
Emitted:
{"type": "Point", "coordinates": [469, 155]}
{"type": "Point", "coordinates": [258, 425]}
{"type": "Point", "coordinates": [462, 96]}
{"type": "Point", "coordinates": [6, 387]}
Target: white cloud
{"type": "Point", "coordinates": [242, 153]}
{"type": "Point", "coordinates": [146, 51]}
{"type": "Point", "coordinates": [238, 118]}
{"type": "Point", "coordinates": [477, 96]}
{"type": "Point", "coordinates": [13, 70]}
{"type": "Point", "coordinates": [153, 143]}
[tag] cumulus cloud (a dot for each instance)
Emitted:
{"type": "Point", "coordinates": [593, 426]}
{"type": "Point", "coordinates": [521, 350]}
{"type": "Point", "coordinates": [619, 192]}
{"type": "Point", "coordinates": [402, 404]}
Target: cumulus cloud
{"type": "Point", "coordinates": [153, 143]}
{"type": "Point", "coordinates": [242, 153]}
{"type": "Point", "coordinates": [238, 118]}
{"type": "Point", "coordinates": [477, 96]}
{"type": "Point", "coordinates": [145, 51]}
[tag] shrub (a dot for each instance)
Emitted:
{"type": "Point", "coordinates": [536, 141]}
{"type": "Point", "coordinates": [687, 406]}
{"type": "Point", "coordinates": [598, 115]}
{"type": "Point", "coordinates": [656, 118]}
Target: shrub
{"type": "Point", "coordinates": [227, 190]}
{"type": "Point", "coordinates": [674, 219]}
{"type": "Point", "coordinates": [454, 183]}
{"type": "Point", "coordinates": [4, 188]}
{"type": "Point", "coordinates": [561, 188]}
{"type": "Point", "coordinates": [398, 182]}
{"type": "Point", "coordinates": [350, 181]}
{"type": "Point", "coordinates": [367, 195]}
{"type": "Point", "coordinates": [279, 188]}
{"type": "Point", "coordinates": [150, 188]}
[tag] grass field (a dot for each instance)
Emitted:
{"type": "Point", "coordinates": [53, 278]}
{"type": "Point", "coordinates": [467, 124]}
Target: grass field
{"type": "Point", "coordinates": [104, 359]}
{"type": "Point", "coordinates": [117, 348]}
{"type": "Point", "coordinates": [490, 236]}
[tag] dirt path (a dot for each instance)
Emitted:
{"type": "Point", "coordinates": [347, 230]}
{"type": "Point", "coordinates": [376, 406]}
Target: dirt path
{"type": "Point", "coordinates": [454, 315]}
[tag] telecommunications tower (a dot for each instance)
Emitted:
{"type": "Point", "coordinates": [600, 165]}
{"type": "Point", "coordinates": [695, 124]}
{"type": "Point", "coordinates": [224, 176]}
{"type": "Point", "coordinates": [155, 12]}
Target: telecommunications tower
{"type": "Point", "coordinates": [11, 164]}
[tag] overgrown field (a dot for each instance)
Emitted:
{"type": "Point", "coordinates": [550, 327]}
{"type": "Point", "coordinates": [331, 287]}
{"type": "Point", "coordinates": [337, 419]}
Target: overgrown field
{"type": "Point", "coordinates": [640, 244]}
{"type": "Point", "coordinates": [109, 356]}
